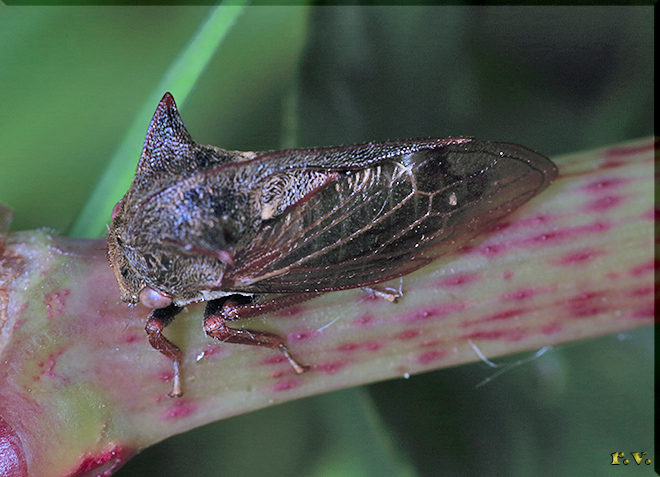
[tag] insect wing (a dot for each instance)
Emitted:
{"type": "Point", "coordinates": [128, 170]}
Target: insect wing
{"type": "Point", "coordinates": [379, 222]}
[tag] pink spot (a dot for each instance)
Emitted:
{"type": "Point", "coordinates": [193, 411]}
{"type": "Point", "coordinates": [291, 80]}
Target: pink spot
{"type": "Point", "coordinates": [612, 164]}
{"type": "Point", "coordinates": [48, 366]}
{"type": "Point", "coordinates": [603, 204]}
{"type": "Point", "coordinates": [652, 214]}
{"type": "Point", "coordinates": [587, 304]}
{"type": "Point", "coordinates": [551, 329]}
{"type": "Point", "coordinates": [51, 365]}
{"type": "Point", "coordinates": [642, 269]}
{"type": "Point", "coordinates": [531, 222]}
{"type": "Point", "coordinates": [301, 335]}
{"type": "Point", "coordinates": [130, 338]}
{"type": "Point", "coordinates": [524, 293]}
{"type": "Point", "coordinates": [274, 359]}
{"type": "Point", "coordinates": [427, 343]}
{"type": "Point", "coordinates": [364, 345]}
{"type": "Point", "coordinates": [498, 227]}
{"type": "Point", "coordinates": [430, 356]}
{"type": "Point", "coordinates": [607, 183]}
{"type": "Point", "coordinates": [349, 347]}
{"type": "Point", "coordinates": [433, 312]}
{"type": "Point", "coordinates": [559, 236]}
{"type": "Point", "coordinates": [101, 464]}
{"type": "Point", "coordinates": [577, 257]}
{"type": "Point", "coordinates": [502, 315]}
{"type": "Point", "coordinates": [465, 249]}
{"type": "Point", "coordinates": [180, 408]}
{"type": "Point", "coordinates": [536, 220]}
{"type": "Point", "coordinates": [211, 351]}
{"type": "Point", "coordinates": [507, 275]}
{"type": "Point", "coordinates": [290, 311]}
{"type": "Point", "coordinates": [165, 377]}
{"type": "Point", "coordinates": [585, 311]}
{"type": "Point", "coordinates": [641, 291]}
{"type": "Point", "coordinates": [520, 294]}
{"type": "Point", "coordinates": [408, 334]}
{"type": "Point", "coordinates": [511, 334]}
{"type": "Point", "coordinates": [626, 151]}
{"type": "Point", "coordinates": [492, 250]}
{"type": "Point", "coordinates": [55, 303]}
{"type": "Point", "coordinates": [364, 320]}
{"type": "Point", "coordinates": [458, 280]}
{"type": "Point", "coordinates": [546, 237]}
{"type": "Point", "coordinates": [644, 313]}
{"type": "Point", "coordinates": [331, 367]}
{"type": "Point", "coordinates": [285, 385]}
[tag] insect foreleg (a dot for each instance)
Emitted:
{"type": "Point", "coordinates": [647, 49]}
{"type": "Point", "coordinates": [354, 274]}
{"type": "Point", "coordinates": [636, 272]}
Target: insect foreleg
{"type": "Point", "coordinates": [219, 311]}
{"type": "Point", "coordinates": [158, 320]}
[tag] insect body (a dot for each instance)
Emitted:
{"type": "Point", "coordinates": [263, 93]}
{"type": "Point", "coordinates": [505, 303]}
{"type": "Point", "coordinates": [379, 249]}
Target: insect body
{"type": "Point", "coordinates": [201, 223]}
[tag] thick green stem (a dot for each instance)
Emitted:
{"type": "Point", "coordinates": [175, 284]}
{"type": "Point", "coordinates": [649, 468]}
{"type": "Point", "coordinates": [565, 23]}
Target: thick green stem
{"type": "Point", "coordinates": [82, 390]}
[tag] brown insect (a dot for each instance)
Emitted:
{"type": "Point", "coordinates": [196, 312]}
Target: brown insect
{"type": "Point", "coordinates": [201, 223]}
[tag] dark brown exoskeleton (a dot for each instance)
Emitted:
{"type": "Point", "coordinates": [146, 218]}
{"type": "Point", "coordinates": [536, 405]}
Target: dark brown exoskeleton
{"type": "Point", "coordinates": [201, 223]}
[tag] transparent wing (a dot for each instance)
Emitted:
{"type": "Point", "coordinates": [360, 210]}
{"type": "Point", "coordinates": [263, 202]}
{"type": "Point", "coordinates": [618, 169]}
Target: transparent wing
{"type": "Point", "coordinates": [388, 219]}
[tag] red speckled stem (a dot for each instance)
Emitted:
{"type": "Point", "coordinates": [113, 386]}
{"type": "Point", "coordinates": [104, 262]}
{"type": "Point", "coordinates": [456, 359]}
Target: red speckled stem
{"type": "Point", "coordinates": [82, 390]}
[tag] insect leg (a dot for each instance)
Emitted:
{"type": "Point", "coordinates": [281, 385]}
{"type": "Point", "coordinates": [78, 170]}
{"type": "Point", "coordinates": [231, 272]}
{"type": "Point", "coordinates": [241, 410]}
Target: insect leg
{"type": "Point", "coordinates": [219, 311]}
{"type": "Point", "coordinates": [241, 306]}
{"type": "Point", "coordinates": [158, 320]}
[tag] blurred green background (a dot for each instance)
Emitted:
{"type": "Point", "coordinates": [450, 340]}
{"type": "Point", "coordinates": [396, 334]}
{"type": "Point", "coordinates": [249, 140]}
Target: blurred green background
{"type": "Point", "coordinates": [556, 79]}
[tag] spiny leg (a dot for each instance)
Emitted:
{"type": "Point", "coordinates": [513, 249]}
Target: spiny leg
{"type": "Point", "coordinates": [158, 320]}
{"type": "Point", "coordinates": [215, 325]}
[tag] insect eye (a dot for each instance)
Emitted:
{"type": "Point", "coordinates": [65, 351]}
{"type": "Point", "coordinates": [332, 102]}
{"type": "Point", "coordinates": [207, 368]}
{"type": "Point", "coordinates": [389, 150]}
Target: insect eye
{"type": "Point", "coordinates": [154, 299]}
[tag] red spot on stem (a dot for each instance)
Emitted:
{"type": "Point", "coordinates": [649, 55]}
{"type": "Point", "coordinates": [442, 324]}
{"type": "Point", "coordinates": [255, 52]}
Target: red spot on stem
{"type": "Point", "coordinates": [510, 334]}
{"type": "Point", "coordinates": [502, 315]}
{"type": "Point", "coordinates": [408, 334]}
{"type": "Point", "coordinates": [364, 345]}
{"type": "Point", "coordinates": [101, 464]}
{"type": "Point", "coordinates": [577, 257]}
{"type": "Point", "coordinates": [364, 320]}
{"type": "Point", "coordinates": [179, 408]}
{"type": "Point", "coordinates": [292, 310]}
{"type": "Point", "coordinates": [433, 312]}
{"type": "Point", "coordinates": [331, 367]}
{"type": "Point", "coordinates": [642, 269]}
{"type": "Point", "coordinates": [285, 385]}
{"type": "Point", "coordinates": [605, 184]}
{"type": "Point", "coordinates": [551, 329]}
{"type": "Point", "coordinates": [603, 204]}
{"type": "Point", "coordinates": [430, 356]}
{"type": "Point", "coordinates": [569, 233]}
{"type": "Point", "coordinates": [587, 304]}
{"type": "Point", "coordinates": [492, 250]}
{"type": "Point", "coordinates": [644, 313]}
{"type": "Point", "coordinates": [55, 303]}
{"type": "Point", "coordinates": [301, 335]}
{"type": "Point", "coordinates": [651, 214]}
{"type": "Point", "coordinates": [625, 151]}
{"type": "Point", "coordinates": [524, 293]}
{"type": "Point", "coordinates": [458, 280]}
